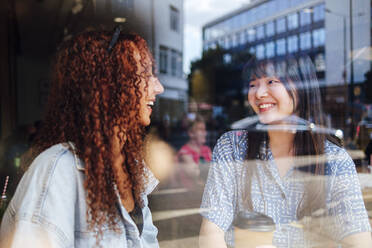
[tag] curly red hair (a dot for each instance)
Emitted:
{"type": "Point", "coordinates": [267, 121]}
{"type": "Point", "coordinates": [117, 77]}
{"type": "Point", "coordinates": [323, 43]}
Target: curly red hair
{"type": "Point", "coordinates": [95, 98]}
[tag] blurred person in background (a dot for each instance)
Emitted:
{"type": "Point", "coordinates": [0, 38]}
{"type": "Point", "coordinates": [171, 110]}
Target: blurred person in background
{"type": "Point", "coordinates": [194, 156]}
{"type": "Point", "coordinates": [86, 182]}
{"type": "Point", "coordinates": [284, 167]}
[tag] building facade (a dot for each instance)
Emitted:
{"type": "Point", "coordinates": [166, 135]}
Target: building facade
{"type": "Point", "coordinates": [168, 37]}
{"type": "Point", "coordinates": [320, 29]}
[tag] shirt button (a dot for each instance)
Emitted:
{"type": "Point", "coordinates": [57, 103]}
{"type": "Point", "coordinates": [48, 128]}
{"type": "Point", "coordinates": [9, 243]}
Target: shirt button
{"type": "Point", "coordinates": [283, 195]}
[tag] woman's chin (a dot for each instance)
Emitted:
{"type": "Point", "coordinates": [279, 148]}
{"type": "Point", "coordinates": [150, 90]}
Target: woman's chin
{"type": "Point", "coordinates": [271, 120]}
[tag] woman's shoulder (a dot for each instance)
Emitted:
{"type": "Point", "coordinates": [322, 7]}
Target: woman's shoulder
{"type": "Point", "coordinates": [333, 149]}
{"type": "Point", "coordinates": [338, 159]}
{"type": "Point", "coordinates": [52, 170]}
{"type": "Point", "coordinates": [234, 137]}
{"type": "Point", "coordinates": [59, 157]}
{"type": "Point", "coordinates": [232, 145]}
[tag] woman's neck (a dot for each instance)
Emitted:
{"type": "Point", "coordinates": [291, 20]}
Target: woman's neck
{"type": "Point", "coordinates": [122, 177]}
{"type": "Point", "coordinates": [281, 143]}
{"type": "Point", "coordinates": [194, 145]}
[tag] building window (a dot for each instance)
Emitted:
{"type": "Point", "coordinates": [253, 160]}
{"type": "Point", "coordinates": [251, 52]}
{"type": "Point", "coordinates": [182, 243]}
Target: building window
{"type": "Point", "coordinates": [228, 42]}
{"type": "Point", "coordinates": [270, 29]}
{"type": "Point", "coordinates": [174, 58]}
{"type": "Point", "coordinates": [207, 34]}
{"type": "Point", "coordinates": [305, 41]}
{"type": "Point", "coordinates": [251, 35]}
{"type": "Point", "coordinates": [163, 59]}
{"type": "Point", "coordinates": [319, 13]}
{"type": "Point", "coordinates": [235, 39]}
{"type": "Point", "coordinates": [270, 49]}
{"type": "Point", "coordinates": [280, 25]}
{"type": "Point", "coordinates": [174, 19]}
{"type": "Point", "coordinates": [221, 42]}
{"type": "Point", "coordinates": [292, 44]}
{"type": "Point", "coordinates": [280, 47]}
{"type": "Point", "coordinates": [305, 18]}
{"type": "Point", "coordinates": [252, 50]}
{"type": "Point", "coordinates": [292, 21]}
{"type": "Point", "coordinates": [119, 6]}
{"type": "Point", "coordinates": [260, 51]}
{"type": "Point", "coordinates": [318, 37]}
{"type": "Point", "coordinates": [243, 39]}
{"type": "Point", "coordinates": [281, 68]}
{"type": "Point", "coordinates": [179, 64]}
{"type": "Point", "coordinates": [227, 58]}
{"type": "Point", "coordinates": [260, 32]}
{"type": "Point", "coordinates": [319, 62]}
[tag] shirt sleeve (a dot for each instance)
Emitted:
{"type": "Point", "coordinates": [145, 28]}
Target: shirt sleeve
{"type": "Point", "coordinates": [219, 194]}
{"type": "Point", "coordinates": [347, 206]}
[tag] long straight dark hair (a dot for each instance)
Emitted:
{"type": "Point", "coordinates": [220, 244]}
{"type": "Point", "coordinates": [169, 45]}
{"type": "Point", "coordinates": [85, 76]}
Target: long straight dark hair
{"type": "Point", "coordinates": [299, 79]}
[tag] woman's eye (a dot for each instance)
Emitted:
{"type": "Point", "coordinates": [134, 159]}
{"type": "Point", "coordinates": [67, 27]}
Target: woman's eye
{"type": "Point", "coordinates": [251, 85]}
{"type": "Point", "coordinates": [272, 81]}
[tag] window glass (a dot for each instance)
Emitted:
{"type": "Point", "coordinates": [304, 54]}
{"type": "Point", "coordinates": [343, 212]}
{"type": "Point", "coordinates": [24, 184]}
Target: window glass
{"type": "Point", "coordinates": [260, 32]}
{"type": "Point", "coordinates": [120, 6]}
{"type": "Point", "coordinates": [206, 86]}
{"type": "Point", "coordinates": [241, 38]}
{"type": "Point", "coordinates": [305, 40]}
{"type": "Point", "coordinates": [320, 62]}
{"type": "Point", "coordinates": [260, 51]}
{"type": "Point", "coordinates": [174, 19]}
{"type": "Point", "coordinates": [270, 49]}
{"type": "Point", "coordinates": [252, 50]}
{"type": "Point", "coordinates": [229, 42]}
{"type": "Point", "coordinates": [270, 29]}
{"type": "Point", "coordinates": [235, 40]}
{"type": "Point", "coordinates": [280, 25]}
{"type": "Point", "coordinates": [318, 37]}
{"type": "Point", "coordinates": [174, 62]}
{"type": "Point", "coordinates": [319, 13]}
{"type": "Point", "coordinates": [163, 59]}
{"type": "Point", "coordinates": [281, 46]}
{"type": "Point", "coordinates": [292, 44]}
{"type": "Point", "coordinates": [292, 21]}
{"type": "Point", "coordinates": [305, 17]}
{"type": "Point", "coordinates": [221, 42]}
{"type": "Point", "coordinates": [251, 34]}
{"type": "Point", "coordinates": [281, 68]}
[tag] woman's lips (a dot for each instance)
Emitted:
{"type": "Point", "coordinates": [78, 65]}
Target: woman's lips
{"type": "Point", "coordinates": [263, 107]}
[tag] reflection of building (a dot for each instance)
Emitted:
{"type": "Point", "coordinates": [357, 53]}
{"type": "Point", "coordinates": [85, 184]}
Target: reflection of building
{"type": "Point", "coordinates": [278, 29]}
{"type": "Point", "coordinates": [168, 47]}
{"type": "Point", "coordinates": [35, 28]}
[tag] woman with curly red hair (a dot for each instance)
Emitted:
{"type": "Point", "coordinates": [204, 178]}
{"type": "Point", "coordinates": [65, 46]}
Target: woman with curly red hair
{"type": "Point", "coordinates": [87, 184]}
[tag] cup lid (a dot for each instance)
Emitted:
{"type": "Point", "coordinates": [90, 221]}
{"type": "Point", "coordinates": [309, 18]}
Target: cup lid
{"type": "Point", "coordinates": [254, 222]}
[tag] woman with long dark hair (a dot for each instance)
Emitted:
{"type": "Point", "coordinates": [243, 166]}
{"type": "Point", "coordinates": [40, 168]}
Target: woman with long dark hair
{"type": "Point", "coordinates": [87, 184]}
{"type": "Point", "coordinates": [285, 166]}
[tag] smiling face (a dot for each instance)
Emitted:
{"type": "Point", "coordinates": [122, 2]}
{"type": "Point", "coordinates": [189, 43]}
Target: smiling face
{"type": "Point", "coordinates": [270, 99]}
{"type": "Point", "coordinates": [150, 87]}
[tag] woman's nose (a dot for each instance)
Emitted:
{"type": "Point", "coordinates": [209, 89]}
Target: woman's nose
{"type": "Point", "coordinates": [261, 91]}
{"type": "Point", "coordinates": [158, 87]}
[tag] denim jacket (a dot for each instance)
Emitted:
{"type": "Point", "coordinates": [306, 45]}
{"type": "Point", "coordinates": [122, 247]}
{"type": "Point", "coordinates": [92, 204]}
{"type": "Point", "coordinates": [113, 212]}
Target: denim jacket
{"type": "Point", "coordinates": [49, 208]}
